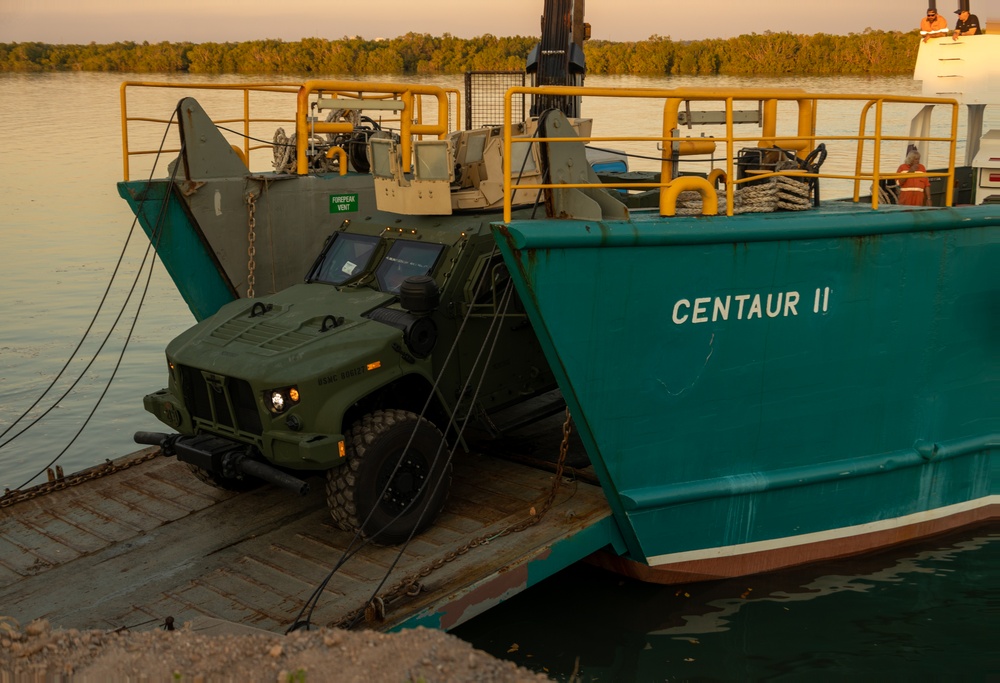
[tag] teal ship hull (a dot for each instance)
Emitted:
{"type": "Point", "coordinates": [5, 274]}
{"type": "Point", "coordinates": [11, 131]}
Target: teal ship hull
{"type": "Point", "coordinates": [762, 391]}
{"type": "Point", "coordinates": [181, 246]}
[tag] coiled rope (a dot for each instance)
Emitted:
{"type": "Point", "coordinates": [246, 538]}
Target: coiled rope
{"type": "Point", "coordinates": [779, 193]}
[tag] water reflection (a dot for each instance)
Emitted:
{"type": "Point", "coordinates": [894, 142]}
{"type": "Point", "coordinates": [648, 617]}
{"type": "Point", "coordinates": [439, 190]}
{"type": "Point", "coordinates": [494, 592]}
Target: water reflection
{"type": "Point", "coordinates": [725, 609]}
{"type": "Point", "coordinates": [920, 612]}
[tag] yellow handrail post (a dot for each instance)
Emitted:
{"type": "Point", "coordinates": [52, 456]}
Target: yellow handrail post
{"type": "Point", "coordinates": [862, 127]}
{"type": "Point", "coordinates": [949, 193]}
{"type": "Point", "coordinates": [124, 113]}
{"type": "Point", "coordinates": [730, 155]}
{"type": "Point", "coordinates": [877, 152]}
{"type": "Point", "coordinates": [670, 108]}
{"type": "Point", "coordinates": [807, 124]}
{"type": "Point", "coordinates": [769, 126]}
{"type": "Point", "coordinates": [507, 111]}
{"type": "Point", "coordinates": [301, 130]}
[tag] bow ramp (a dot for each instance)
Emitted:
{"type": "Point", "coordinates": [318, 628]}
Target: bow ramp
{"type": "Point", "coordinates": [151, 542]}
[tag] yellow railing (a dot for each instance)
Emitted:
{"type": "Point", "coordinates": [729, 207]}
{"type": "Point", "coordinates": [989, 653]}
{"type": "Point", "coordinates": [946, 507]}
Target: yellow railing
{"type": "Point", "coordinates": [409, 118]}
{"type": "Point", "coordinates": [245, 89]}
{"type": "Point", "coordinates": [804, 139]}
{"type": "Point", "coordinates": [410, 124]}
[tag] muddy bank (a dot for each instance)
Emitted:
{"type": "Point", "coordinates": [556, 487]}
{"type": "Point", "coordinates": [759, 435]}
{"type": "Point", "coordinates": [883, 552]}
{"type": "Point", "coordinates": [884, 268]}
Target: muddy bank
{"type": "Point", "coordinates": [37, 652]}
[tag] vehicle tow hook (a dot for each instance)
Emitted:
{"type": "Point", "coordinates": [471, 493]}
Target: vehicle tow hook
{"type": "Point", "coordinates": [220, 456]}
{"type": "Point", "coordinates": [164, 441]}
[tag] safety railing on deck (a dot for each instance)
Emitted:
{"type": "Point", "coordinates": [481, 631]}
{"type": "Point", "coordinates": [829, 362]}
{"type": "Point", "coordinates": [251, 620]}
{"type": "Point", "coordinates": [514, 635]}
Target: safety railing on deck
{"type": "Point", "coordinates": [669, 146]}
{"type": "Point", "coordinates": [404, 99]}
{"type": "Point", "coordinates": [408, 114]}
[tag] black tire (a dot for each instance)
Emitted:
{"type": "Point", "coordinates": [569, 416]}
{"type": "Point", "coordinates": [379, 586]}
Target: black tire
{"type": "Point", "coordinates": [418, 490]}
{"type": "Point", "coordinates": [226, 483]}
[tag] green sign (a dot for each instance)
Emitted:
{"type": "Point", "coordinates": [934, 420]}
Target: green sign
{"type": "Point", "coordinates": [343, 203]}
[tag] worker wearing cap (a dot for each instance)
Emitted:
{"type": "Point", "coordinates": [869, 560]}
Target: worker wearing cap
{"type": "Point", "coordinates": [933, 25]}
{"type": "Point", "coordinates": [967, 24]}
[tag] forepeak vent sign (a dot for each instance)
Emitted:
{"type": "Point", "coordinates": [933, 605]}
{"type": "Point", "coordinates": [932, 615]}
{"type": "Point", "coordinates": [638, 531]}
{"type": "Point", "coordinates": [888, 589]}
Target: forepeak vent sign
{"type": "Point", "coordinates": [343, 203]}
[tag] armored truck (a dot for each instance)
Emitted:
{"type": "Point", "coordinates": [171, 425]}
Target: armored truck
{"type": "Point", "coordinates": [404, 329]}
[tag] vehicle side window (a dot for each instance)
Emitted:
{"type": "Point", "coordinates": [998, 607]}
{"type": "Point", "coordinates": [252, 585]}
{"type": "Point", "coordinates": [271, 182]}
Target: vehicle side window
{"type": "Point", "coordinates": [406, 259]}
{"type": "Point", "coordinates": [346, 257]}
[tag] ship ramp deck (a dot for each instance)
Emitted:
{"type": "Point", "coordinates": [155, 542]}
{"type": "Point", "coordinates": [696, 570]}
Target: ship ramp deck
{"type": "Point", "coordinates": [151, 541]}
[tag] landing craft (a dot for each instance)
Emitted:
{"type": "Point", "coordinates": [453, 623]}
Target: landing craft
{"type": "Point", "coordinates": [800, 321]}
{"type": "Point", "coordinates": [862, 416]}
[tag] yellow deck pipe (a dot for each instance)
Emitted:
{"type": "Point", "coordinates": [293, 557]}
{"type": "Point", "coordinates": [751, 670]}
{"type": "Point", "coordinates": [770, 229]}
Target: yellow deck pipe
{"type": "Point", "coordinates": [303, 128]}
{"type": "Point", "coordinates": [341, 157]}
{"type": "Point", "coordinates": [709, 198]}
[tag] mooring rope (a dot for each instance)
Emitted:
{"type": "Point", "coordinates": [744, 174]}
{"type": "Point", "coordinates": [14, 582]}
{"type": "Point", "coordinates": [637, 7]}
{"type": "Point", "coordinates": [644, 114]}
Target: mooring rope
{"type": "Point", "coordinates": [777, 193]}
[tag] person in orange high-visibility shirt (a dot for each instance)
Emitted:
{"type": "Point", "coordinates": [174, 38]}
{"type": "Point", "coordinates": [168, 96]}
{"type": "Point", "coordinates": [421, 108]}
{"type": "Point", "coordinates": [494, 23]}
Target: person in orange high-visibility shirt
{"type": "Point", "coordinates": [914, 191]}
{"type": "Point", "coordinates": [933, 25]}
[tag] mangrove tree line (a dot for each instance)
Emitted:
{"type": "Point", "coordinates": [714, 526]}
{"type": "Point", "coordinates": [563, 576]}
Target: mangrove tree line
{"type": "Point", "coordinates": [768, 54]}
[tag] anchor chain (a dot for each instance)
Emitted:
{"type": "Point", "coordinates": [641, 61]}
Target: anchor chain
{"type": "Point", "coordinates": [251, 249]}
{"type": "Point", "coordinates": [57, 483]}
{"type": "Point", "coordinates": [375, 609]}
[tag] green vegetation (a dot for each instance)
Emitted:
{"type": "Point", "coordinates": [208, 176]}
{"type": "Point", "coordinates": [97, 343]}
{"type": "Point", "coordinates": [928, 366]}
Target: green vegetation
{"type": "Point", "coordinates": [767, 54]}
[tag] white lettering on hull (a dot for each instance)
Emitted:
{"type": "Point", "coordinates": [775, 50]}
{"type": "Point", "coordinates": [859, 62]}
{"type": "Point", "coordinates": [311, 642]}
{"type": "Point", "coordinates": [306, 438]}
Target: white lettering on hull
{"type": "Point", "coordinates": [826, 300]}
{"type": "Point", "coordinates": [705, 309]}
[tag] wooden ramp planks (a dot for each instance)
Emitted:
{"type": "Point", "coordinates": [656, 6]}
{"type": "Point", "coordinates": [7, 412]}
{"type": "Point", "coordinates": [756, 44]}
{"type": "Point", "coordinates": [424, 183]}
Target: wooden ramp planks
{"type": "Point", "coordinates": [131, 548]}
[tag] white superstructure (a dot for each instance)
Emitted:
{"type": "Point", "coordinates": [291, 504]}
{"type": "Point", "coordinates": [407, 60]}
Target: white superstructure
{"type": "Point", "coordinates": [968, 70]}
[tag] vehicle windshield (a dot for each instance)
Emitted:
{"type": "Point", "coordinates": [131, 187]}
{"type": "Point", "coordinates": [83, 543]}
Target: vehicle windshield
{"type": "Point", "coordinates": [406, 259]}
{"type": "Point", "coordinates": [346, 257]}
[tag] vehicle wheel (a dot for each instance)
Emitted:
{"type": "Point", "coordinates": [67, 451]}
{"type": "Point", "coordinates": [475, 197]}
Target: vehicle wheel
{"type": "Point", "coordinates": [415, 494]}
{"type": "Point", "coordinates": [227, 483]}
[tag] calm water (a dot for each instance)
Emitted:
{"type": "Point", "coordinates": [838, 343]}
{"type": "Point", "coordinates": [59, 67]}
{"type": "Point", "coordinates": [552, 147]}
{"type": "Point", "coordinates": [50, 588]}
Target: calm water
{"type": "Point", "coordinates": [924, 613]}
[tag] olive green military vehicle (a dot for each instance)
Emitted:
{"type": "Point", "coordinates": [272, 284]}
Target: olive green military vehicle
{"type": "Point", "coordinates": [407, 326]}
{"type": "Point", "coordinates": [403, 329]}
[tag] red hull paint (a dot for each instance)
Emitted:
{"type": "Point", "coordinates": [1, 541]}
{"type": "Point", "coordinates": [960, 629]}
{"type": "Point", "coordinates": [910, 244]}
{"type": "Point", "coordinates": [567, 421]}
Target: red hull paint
{"type": "Point", "coordinates": [791, 556]}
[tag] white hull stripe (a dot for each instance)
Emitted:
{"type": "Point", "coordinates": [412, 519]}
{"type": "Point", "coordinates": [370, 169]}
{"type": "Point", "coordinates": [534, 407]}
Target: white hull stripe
{"type": "Point", "coordinates": [820, 536]}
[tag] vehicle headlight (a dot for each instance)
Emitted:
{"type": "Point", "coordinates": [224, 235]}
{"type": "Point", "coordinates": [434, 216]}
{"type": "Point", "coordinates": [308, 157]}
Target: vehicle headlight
{"type": "Point", "coordinates": [280, 400]}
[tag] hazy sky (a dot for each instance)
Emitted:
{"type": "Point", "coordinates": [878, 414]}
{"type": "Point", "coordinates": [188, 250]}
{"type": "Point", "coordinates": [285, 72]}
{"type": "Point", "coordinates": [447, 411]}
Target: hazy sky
{"type": "Point", "coordinates": [103, 21]}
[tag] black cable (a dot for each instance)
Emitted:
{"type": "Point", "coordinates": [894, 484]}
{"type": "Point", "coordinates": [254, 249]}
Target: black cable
{"type": "Point", "coordinates": [93, 320]}
{"type": "Point", "coordinates": [632, 155]}
{"type": "Point", "coordinates": [250, 137]}
{"type": "Point", "coordinates": [114, 372]}
{"type": "Point", "coordinates": [524, 161]}
{"type": "Point", "coordinates": [92, 360]}
{"type": "Point", "coordinates": [315, 597]}
{"type": "Point", "coordinates": [151, 247]}
{"type": "Point", "coordinates": [349, 552]}
{"type": "Point", "coordinates": [500, 312]}
{"type": "Point", "coordinates": [264, 142]}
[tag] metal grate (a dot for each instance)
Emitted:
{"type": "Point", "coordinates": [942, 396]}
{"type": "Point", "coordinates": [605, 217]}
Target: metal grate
{"type": "Point", "coordinates": [484, 91]}
{"type": "Point", "coordinates": [211, 401]}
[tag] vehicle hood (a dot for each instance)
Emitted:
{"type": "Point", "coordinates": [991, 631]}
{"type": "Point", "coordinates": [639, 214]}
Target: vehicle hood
{"type": "Point", "coordinates": [302, 325]}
